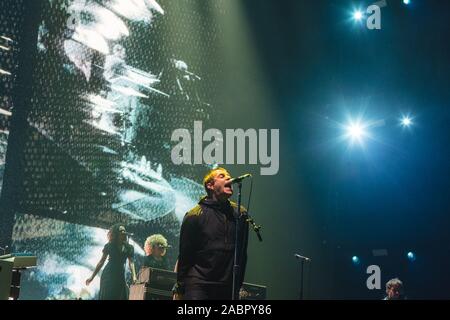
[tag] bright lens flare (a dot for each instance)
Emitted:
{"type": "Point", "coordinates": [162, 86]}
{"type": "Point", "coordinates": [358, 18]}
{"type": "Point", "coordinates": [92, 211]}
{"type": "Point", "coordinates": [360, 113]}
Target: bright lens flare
{"type": "Point", "coordinates": [355, 131]}
{"type": "Point", "coordinates": [406, 121]}
{"type": "Point", "coordinates": [357, 15]}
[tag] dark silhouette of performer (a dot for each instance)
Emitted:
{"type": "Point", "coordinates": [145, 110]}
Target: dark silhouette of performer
{"type": "Point", "coordinates": [207, 243]}
{"type": "Point", "coordinates": [112, 282]}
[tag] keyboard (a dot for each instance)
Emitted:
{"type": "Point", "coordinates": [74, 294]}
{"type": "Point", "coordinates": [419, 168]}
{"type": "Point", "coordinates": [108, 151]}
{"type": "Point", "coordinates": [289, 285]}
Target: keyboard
{"type": "Point", "coordinates": [20, 260]}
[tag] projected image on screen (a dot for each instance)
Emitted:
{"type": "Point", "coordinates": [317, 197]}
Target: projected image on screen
{"type": "Point", "coordinates": [10, 16]}
{"type": "Point", "coordinates": [113, 79]}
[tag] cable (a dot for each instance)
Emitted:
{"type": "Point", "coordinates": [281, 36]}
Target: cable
{"type": "Point", "coordinates": [250, 195]}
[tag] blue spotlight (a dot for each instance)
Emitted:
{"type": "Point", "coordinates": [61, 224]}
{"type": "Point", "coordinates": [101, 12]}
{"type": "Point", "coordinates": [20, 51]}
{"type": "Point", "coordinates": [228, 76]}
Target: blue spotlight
{"type": "Point", "coordinates": [406, 2]}
{"type": "Point", "coordinates": [357, 15]}
{"type": "Point", "coordinates": [355, 260]}
{"type": "Point", "coordinates": [406, 121]}
{"type": "Point", "coordinates": [411, 256]}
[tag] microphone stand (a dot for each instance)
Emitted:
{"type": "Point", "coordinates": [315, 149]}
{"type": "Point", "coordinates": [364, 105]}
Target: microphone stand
{"type": "Point", "coordinates": [302, 262]}
{"type": "Point", "coordinates": [4, 249]}
{"type": "Point", "coordinates": [235, 294]}
{"type": "Point", "coordinates": [256, 228]}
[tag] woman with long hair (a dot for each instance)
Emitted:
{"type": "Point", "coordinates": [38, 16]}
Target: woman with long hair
{"type": "Point", "coordinates": [112, 281]}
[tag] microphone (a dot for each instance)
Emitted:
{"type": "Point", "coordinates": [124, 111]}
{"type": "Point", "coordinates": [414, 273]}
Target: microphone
{"type": "Point", "coordinates": [239, 179]}
{"type": "Point", "coordinates": [193, 74]}
{"type": "Point", "coordinates": [302, 257]}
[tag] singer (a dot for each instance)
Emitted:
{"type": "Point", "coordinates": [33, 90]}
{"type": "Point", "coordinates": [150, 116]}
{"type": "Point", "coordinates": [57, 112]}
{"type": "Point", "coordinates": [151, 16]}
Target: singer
{"type": "Point", "coordinates": [207, 243]}
{"type": "Point", "coordinates": [112, 281]}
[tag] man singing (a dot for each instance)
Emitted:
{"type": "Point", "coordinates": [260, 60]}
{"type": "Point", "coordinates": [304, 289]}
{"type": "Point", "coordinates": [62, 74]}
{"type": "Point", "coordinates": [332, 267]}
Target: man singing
{"type": "Point", "coordinates": [207, 243]}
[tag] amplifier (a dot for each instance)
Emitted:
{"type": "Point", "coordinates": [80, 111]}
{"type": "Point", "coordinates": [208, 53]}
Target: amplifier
{"type": "Point", "coordinates": [157, 284]}
{"type": "Point", "coordinates": [153, 284]}
{"type": "Point", "coordinates": [143, 291]}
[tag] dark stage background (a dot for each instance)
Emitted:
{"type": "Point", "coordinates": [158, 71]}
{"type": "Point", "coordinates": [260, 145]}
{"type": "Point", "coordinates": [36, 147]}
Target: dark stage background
{"type": "Point", "coordinates": [97, 88]}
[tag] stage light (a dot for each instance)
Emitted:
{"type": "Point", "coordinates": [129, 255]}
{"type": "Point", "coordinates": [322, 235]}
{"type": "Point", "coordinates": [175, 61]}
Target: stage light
{"type": "Point", "coordinates": [357, 15]}
{"type": "Point", "coordinates": [355, 131]}
{"type": "Point", "coordinates": [406, 2]}
{"type": "Point", "coordinates": [411, 256]}
{"type": "Point", "coordinates": [406, 121]}
{"type": "Point", "coordinates": [355, 260]}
